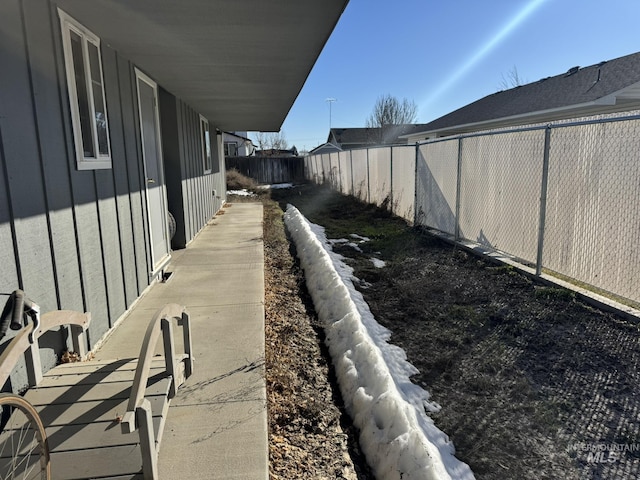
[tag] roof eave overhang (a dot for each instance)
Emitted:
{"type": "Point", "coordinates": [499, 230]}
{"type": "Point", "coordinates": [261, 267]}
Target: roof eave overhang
{"type": "Point", "coordinates": [240, 64]}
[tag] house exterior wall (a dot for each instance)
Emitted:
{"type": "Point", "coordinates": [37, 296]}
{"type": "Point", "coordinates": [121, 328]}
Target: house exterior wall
{"type": "Point", "coordinates": [193, 195]}
{"type": "Point", "coordinates": [76, 239]}
{"type": "Point", "coordinates": [239, 140]}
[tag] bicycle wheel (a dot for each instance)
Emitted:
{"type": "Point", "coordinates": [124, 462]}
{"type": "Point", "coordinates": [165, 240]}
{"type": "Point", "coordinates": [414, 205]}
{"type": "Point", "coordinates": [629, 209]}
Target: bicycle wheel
{"type": "Point", "coordinates": [23, 442]}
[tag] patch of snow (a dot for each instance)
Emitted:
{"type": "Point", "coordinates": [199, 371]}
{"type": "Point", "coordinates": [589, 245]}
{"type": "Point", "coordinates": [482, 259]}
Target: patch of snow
{"type": "Point", "coordinates": [276, 186]}
{"type": "Point", "coordinates": [398, 438]}
{"type": "Point", "coordinates": [242, 193]}
{"type": "Point", "coordinates": [344, 241]}
{"type": "Point", "coordinates": [359, 237]}
{"type": "Point", "coordinates": [377, 262]}
{"type": "Point", "coordinates": [354, 246]}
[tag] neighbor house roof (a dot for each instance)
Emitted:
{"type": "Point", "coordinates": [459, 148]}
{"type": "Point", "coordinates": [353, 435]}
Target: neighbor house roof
{"type": "Point", "coordinates": [348, 138]}
{"type": "Point", "coordinates": [239, 63]}
{"type": "Point", "coordinates": [327, 147]}
{"type": "Point", "coordinates": [605, 87]}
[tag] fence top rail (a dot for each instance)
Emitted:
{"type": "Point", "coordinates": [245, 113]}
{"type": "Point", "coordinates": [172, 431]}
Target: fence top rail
{"type": "Point", "coordinates": [486, 133]}
{"type": "Point", "coordinates": [550, 126]}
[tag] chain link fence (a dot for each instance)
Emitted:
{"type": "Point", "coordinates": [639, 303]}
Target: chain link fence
{"type": "Point", "coordinates": [564, 198]}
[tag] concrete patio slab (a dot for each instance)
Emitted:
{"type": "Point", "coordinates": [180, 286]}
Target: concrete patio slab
{"type": "Point", "coordinates": [217, 423]}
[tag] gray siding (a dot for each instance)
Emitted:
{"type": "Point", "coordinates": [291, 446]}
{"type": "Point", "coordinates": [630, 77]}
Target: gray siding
{"type": "Point", "coordinates": [189, 189]}
{"type": "Point", "coordinates": [79, 239]}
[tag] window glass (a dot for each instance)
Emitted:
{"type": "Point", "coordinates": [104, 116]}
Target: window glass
{"type": "Point", "coordinates": [98, 99]}
{"type": "Point", "coordinates": [82, 94]}
{"type": "Point", "coordinates": [231, 149]}
{"type": "Point", "coordinates": [85, 82]}
{"type": "Point", "coordinates": [206, 145]}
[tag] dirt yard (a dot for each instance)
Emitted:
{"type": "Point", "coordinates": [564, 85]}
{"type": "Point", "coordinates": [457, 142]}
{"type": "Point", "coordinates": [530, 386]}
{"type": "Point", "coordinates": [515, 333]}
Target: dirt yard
{"type": "Point", "coordinates": [533, 383]}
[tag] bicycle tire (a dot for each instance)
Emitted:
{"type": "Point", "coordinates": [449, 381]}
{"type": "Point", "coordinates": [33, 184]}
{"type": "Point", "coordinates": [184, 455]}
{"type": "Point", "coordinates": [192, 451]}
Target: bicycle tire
{"type": "Point", "coordinates": [24, 435]}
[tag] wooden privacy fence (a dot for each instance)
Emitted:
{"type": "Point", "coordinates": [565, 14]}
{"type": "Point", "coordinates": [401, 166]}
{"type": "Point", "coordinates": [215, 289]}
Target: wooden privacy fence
{"type": "Point", "coordinates": [269, 170]}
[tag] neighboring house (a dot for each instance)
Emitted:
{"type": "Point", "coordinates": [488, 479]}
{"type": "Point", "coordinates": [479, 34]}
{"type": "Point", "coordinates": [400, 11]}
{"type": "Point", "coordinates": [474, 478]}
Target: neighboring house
{"type": "Point", "coordinates": [607, 87]}
{"type": "Point", "coordinates": [352, 138]}
{"type": "Point", "coordinates": [236, 144]}
{"type": "Point", "coordinates": [325, 148]}
{"type": "Point", "coordinates": [111, 115]}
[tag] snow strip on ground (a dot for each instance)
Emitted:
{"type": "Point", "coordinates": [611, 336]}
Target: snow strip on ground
{"type": "Point", "coordinates": [397, 437]}
{"type": "Point", "coordinates": [276, 186]}
{"type": "Point", "coordinates": [241, 193]}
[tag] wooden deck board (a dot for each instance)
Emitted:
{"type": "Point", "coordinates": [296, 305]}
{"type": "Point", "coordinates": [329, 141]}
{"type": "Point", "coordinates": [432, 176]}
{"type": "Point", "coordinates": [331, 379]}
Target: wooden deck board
{"type": "Point", "coordinates": [68, 394]}
{"type": "Point", "coordinates": [99, 462]}
{"type": "Point", "coordinates": [123, 364]}
{"type": "Point", "coordinates": [94, 411]}
{"type": "Point", "coordinates": [103, 419]}
{"type": "Point", "coordinates": [81, 404]}
{"type": "Point", "coordinates": [91, 436]}
{"type": "Point", "coordinates": [83, 378]}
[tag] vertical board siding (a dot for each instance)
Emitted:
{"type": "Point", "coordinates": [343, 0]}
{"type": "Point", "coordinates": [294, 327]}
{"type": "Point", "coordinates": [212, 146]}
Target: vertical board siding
{"type": "Point", "coordinates": [133, 171]}
{"type": "Point", "coordinates": [27, 232]}
{"type": "Point", "coordinates": [186, 169]}
{"type": "Point", "coordinates": [171, 145]}
{"type": "Point", "coordinates": [189, 189]}
{"type": "Point", "coordinates": [107, 211]}
{"type": "Point", "coordinates": [124, 221]}
{"type": "Point", "coordinates": [22, 160]}
{"type": "Point", "coordinates": [51, 138]}
{"type": "Point", "coordinates": [9, 277]}
{"type": "Point", "coordinates": [73, 239]}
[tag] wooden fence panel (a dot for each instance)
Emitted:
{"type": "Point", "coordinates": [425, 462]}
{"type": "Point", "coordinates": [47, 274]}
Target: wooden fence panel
{"type": "Point", "coordinates": [269, 170]}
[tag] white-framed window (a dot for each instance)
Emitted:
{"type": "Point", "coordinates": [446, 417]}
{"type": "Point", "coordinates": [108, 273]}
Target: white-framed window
{"type": "Point", "coordinates": [231, 149]}
{"type": "Point", "coordinates": [85, 83]}
{"type": "Point", "coordinates": [207, 154]}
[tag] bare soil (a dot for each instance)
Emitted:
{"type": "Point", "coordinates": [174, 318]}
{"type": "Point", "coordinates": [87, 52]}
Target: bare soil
{"type": "Point", "coordinates": [533, 383]}
{"type": "Point", "coordinates": [310, 435]}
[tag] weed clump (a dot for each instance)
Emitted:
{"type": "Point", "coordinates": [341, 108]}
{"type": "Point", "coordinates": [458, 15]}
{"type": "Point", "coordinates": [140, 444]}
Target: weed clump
{"type": "Point", "coordinates": [238, 181]}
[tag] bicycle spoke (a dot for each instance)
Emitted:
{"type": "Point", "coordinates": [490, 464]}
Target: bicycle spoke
{"type": "Point", "coordinates": [22, 450]}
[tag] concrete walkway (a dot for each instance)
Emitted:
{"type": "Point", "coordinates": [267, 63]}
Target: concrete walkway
{"type": "Point", "coordinates": [217, 423]}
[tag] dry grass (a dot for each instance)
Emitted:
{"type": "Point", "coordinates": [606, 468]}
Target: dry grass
{"type": "Point", "coordinates": [237, 181]}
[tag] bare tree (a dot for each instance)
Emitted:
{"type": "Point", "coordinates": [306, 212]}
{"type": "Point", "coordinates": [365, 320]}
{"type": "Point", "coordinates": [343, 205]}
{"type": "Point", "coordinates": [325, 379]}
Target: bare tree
{"type": "Point", "coordinates": [278, 141]}
{"type": "Point", "coordinates": [511, 80]}
{"type": "Point", "coordinates": [261, 140]}
{"type": "Point", "coordinates": [271, 141]}
{"type": "Point", "coordinates": [388, 110]}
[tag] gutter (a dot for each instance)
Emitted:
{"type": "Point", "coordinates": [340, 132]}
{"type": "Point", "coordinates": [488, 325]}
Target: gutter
{"type": "Point", "coordinates": [531, 117]}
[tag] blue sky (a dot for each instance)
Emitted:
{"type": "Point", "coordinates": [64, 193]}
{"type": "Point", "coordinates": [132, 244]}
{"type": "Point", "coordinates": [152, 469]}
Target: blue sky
{"type": "Point", "coordinates": [448, 53]}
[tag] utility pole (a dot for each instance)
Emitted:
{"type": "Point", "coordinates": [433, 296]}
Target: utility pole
{"type": "Point", "coordinates": [330, 101]}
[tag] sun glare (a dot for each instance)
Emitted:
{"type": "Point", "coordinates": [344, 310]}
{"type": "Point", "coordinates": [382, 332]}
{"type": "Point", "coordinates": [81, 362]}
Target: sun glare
{"type": "Point", "coordinates": [493, 42]}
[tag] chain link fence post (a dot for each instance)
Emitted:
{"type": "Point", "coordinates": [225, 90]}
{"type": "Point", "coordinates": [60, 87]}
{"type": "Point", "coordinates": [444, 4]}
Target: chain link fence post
{"type": "Point", "coordinates": [368, 180]}
{"type": "Point", "coordinates": [458, 192]}
{"type": "Point", "coordinates": [353, 190]}
{"type": "Point", "coordinates": [415, 186]}
{"type": "Point", "coordinates": [543, 198]}
{"type": "Point", "coordinates": [391, 179]}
